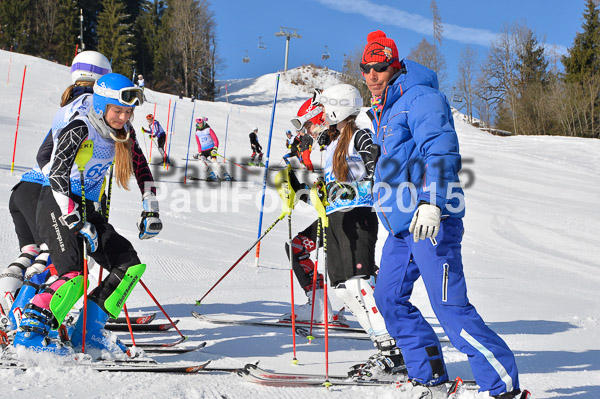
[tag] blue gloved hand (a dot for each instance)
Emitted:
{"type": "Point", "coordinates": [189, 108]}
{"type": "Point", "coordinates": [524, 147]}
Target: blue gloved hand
{"type": "Point", "coordinates": [149, 224]}
{"type": "Point", "coordinates": [89, 233]}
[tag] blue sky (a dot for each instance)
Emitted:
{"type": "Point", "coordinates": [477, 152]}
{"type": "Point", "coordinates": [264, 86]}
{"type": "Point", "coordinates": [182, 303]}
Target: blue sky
{"type": "Point", "coordinates": [342, 25]}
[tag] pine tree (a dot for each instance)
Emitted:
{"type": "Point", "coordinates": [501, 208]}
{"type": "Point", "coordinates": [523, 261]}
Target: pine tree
{"type": "Point", "coordinates": [15, 25]}
{"type": "Point", "coordinates": [582, 74]}
{"type": "Point", "coordinates": [115, 36]}
{"type": "Point", "coordinates": [531, 63]}
{"type": "Point", "coordinates": [583, 59]}
{"type": "Point", "coordinates": [66, 31]}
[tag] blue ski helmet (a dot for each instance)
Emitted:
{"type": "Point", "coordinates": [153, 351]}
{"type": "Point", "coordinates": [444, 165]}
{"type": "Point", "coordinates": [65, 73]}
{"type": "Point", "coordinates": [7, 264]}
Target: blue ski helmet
{"type": "Point", "coordinates": [116, 89]}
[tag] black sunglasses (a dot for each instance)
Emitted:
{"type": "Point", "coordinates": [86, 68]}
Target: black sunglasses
{"type": "Point", "coordinates": [379, 67]}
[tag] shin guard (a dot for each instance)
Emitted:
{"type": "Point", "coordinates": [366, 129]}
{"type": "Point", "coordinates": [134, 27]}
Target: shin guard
{"type": "Point", "coordinates": [114, 303]}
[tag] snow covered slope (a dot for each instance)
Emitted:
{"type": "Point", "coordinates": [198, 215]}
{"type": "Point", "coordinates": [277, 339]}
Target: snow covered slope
{"type": "Point", "coordinates": [530, 250]}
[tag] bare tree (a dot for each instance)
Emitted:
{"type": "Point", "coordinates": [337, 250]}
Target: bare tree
{"type": "Point", "coordinates": [424, 53]}
{"type": "Point", "coordinates": [500, 77]}
{"type": "Point", "coordinates": [466, 78]}
{"type": "Point", "coordinates": [438, 30]}
{"type": "Point", "coordinates": [352, 74]}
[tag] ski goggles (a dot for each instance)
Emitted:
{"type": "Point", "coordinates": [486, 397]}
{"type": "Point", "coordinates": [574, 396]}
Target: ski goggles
{"type": "Point", "coordinates": [299, 121]}
{"type": "Point", "coordinates": [379, 67]}
{"type": "Point", "coordinates": [129, 96]}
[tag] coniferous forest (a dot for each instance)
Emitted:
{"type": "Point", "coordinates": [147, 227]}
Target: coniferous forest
{"type": "Point", "coordinates": [170, 42]}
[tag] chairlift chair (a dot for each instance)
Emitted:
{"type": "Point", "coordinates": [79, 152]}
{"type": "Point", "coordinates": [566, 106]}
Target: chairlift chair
{"type": "Point", "coordinates": [457, 98]}
{"type": "Point", "coordinates": [325, 55]}
{"type": "Point", "coordinates": [246, 59]}
{"type": "Point", "coordinates": [261, 45]}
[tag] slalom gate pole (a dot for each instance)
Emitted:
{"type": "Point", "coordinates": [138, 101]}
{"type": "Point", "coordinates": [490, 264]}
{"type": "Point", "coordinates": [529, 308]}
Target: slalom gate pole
{"type": "Point", "coordinates": [161, 308]}
{"type": "Point", "coordinates": [128, 323]}
{"type": "Point", "coordinates": [152, 132]}
{"type": "Point", "coordinates": [225, 147]}
{"type": "Point", "coordinates": [172, 132]}
{"type": "Point", "coordinates": [226, 159]}
{"type": "Point", "coordinates": [187, 157]}
{"type": "Point", "coordinates": [198, 302]}
{"type": "Point", "coordinates": [167, 135]}
{"type": "Point", "coordinates": [314, 290]}
{"type": "Point", "coordinates": [262, 203]}
{"type": "Point", "coordinates": [12, 165]}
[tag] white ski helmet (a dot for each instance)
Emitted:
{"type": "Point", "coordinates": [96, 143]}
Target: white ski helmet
{"type": "Point", "coordinates": [89, 66]}
{"type": "Point", "coordinates": [339, 102]}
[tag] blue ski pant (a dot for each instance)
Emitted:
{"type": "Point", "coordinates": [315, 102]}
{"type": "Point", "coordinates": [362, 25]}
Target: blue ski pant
{"type": "Point", "coordinates": [403, 261]}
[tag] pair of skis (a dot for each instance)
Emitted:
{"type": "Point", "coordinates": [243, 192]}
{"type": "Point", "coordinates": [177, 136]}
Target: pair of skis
{"type": "Point", "coordinates": [257, 375]}
{"type": "Point", "coordinates": [302, 328]}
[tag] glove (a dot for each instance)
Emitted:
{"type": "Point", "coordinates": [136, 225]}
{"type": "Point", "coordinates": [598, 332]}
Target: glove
{"type": "Point", "coordinates": [425, 222]}
{"type": "Point", "coordinates": [89, 233]}
{"type": "Point", "coordinates": [213, 153]}
{"type": "Point", "coordinates": [145, 131]}
{"type": "Point", "coordinates": [149, 224]}
{"type": "Point", "coordinates": [196, 156]}
{"type": "Point", "coordinates": [340, 191]}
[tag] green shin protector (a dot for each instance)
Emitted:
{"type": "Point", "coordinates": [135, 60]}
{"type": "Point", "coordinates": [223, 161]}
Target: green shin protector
{"type": "Point", "coordinates": [114, 303]}
{"type": "Point", "coordinates": [65, 297]}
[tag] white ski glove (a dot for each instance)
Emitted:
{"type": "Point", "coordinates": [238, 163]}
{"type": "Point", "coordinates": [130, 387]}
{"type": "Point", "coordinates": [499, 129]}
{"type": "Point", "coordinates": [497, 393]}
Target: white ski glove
{"type": "Point", "coordinates": [425, 222]}
{"type": "Point", "coordinates": [149, 224]}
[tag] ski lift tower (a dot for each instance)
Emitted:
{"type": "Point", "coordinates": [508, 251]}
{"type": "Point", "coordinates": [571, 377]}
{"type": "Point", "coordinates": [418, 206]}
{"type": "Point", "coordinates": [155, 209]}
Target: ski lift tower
{"type": "Point", "coordinates": [288, 33]}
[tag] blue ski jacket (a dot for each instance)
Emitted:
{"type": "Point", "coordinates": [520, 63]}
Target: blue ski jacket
{"type": "Point", "coordinates": [419, 157]}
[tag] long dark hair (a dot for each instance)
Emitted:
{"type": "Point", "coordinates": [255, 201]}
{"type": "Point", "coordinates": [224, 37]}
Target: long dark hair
{"type": "Point", "coordinates": [340, 165]}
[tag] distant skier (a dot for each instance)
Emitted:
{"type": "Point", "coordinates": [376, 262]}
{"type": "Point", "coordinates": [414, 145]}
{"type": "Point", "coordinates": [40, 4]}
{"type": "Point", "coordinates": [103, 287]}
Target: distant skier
{"type": "Point", "coordinates": [208, 145]}
{"type": "Point", "coordinates": [141, 81]}
{"type": "Point", "coordinates": [293, 145]}
{"type": "Point", "coordinates": [156, 130]}
{"type": "Point", "coordinates": [256, 148]}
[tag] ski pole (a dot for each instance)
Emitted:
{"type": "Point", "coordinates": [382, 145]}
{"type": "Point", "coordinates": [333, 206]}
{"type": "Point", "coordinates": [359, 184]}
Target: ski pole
{"type": "Point", "coordinates": [314, 290]}
{"type": "Point", "coordinates": [227, 159]}
{"type": "Point", "coordinates": [198, 302]}
{"type": "Point", "coordinates": [81, 159]}
{"type": "Point", "coordinates": [161, 309]}
{"type": "Point", "coordinates": [319, 202]}
{"type": "Point", "coordinates": [295, 360]}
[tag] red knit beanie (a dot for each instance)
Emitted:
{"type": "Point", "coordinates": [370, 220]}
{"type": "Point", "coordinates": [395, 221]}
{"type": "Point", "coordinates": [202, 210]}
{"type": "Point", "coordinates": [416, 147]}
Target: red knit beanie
{"type": "Point", "coordinates": [380, 48]}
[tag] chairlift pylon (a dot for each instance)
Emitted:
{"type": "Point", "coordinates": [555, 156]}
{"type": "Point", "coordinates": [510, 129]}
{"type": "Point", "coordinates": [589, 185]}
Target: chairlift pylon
{"type": "Point", "coordinates": [325, 55]}
{"type": "Point", "coordinates": [261, 45]}
{"type": "Point", "coordinates": [246, 59]}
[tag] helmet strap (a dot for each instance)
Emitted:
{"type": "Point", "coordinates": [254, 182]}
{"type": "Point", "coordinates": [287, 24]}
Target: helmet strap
{"type": "Point", "coordinates": [102, 127]}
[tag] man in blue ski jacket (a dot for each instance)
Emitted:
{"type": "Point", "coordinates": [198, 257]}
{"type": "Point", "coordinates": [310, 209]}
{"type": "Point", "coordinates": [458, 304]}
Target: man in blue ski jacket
{"type": "Point", "coordinates": [420, 202]}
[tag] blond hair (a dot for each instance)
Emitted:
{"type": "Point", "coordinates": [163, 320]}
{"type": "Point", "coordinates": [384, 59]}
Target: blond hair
{"type": "Point", "coordinates": [68, 93]}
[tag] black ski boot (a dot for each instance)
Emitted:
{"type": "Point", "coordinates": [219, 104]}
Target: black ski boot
{"type": "Point", "coordinates": [387, 363]}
